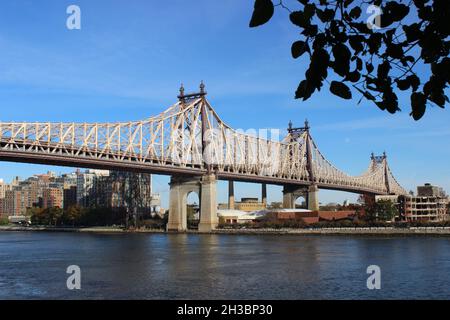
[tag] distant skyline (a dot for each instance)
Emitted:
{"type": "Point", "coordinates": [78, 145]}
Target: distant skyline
{"type": "Point", "coordinates": [129, 59]}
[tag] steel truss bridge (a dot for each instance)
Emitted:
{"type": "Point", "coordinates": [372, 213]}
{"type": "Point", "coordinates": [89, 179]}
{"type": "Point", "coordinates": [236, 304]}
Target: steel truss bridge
{"type": "Point", "coordinates": [189, 139]}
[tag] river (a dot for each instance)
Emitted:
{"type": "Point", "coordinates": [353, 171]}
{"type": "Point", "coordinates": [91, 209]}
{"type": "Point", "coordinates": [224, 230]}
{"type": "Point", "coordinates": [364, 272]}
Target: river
{"type": "Point", "coordinates": [189, 266]}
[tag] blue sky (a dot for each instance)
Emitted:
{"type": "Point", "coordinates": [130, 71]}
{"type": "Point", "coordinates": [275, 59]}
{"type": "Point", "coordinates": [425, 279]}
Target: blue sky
{"type": "Point", "coordinates": [129, 58]}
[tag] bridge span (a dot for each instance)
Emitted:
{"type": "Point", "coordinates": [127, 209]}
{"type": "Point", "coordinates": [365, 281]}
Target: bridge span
{"type": "Point", "coordinates": [190, 142]}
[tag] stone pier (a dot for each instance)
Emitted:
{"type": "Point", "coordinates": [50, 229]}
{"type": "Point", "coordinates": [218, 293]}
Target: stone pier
{"type": "Point", "coordinates": [313, 198]}
{"type": "Point", "coordinates": [180, 187]}
{"type": "Point", "coordinates": [208, 204]}
{"type": "Point", "coordinates": [231, 195]}
{"type": "Point", "coordinates": [292, 193]}
{"type": "Point", "coordinates": [264, 195]}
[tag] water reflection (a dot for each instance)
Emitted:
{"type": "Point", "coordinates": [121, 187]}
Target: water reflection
{"type": "Point", "coordinates": [188, 266]}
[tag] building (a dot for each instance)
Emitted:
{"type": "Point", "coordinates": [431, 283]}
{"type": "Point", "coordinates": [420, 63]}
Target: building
{"type": "Point", "coordinates": [87, 186]}
{"type": "Point", "coordinates": [90, 188]}
{"type": "Point", "coordinates": [37, 191]}
{"type": "Point", "coordinates": [53, 197]}
{"type": "Point", "coordinates": [249, 205]}
{"type": "Point", "coordinates": [3, 188]}
{"type": "Point", "coordinates": [427, 190]}
{"type": "Point", "coordinates": [430, 204]}
{"type": "Point", "coordinates": [238, 216]}
{"type": "Point", "coordinates": [15, 202]}
{"type": "Point", "coordinates": [125, 190]}
{"type": "Point", "coordinates": [307, 216]}
{"type": "Point", "coordinates": [70, 197]}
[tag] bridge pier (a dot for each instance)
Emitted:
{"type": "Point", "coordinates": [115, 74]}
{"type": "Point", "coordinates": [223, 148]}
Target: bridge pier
{"type": "Point", "coordinates": [313, 198]}
{"type": "Point", "coordinates": [231, 195]}
{"type": "Point", "coordinates": [311, 195]}
{"type": "Point", "coordinates": [291, 194]}
{"type": "Point", "coordinates": [180, 187]}
{"type": "Point", "coordinates": [264, 195]}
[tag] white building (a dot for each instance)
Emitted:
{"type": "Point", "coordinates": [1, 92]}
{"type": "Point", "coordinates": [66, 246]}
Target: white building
{"type": "Point", "coordinates": [238, 216]}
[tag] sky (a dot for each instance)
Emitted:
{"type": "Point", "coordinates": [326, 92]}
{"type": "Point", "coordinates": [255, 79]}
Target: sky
{"type": "Point", "coordinates": [129, 58]}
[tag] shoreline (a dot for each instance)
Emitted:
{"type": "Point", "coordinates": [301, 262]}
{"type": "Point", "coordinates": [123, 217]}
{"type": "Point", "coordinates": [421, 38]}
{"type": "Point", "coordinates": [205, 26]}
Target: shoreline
{"type": "Point", "coordinates": [375, 231]}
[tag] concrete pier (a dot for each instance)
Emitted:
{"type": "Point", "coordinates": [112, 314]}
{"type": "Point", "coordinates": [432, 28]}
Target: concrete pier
{"type": "Point", "coordinates": [205, 187]}
{"type": "Point", "coordinates": [231, 195]}
{"type": "Point", "coordinates": [311, 195]}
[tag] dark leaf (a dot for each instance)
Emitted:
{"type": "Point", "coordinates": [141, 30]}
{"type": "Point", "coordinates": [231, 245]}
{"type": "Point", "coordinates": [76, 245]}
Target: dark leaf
{"type": "Point", "coordinates": [381, 105]}
{"type": "Point", "coordinates": [353, 76]}
{"type": "Point", "coordinates": [383, 70]}
{"type": "Point", "coordinates": [262, 13]}
{"type": "Point", "coordinates": [309, 10]}
{"type": "Point", "coordinates": [395, 51]}
{"type": "Point", "coordinates": [361, 27]}
{"type": "Point", "coordinates": [395, 10]}
{"type": "Point", "coordinates": [311, 30]}
{"type": "Point", "coordinates": [432, 46]}
{"type": "Point", "coordinates": [418, 106]}
{"type": "Point", "coordinates": [298, 48]}
{"type": "Point", "coordinates": [341, 90]}
{"type": "Point", "coordinates": [390, 101]}
{"type": "Point", "coordinates": [407, 59]}
{"type": "Point", "coordinates": [374, 42]}
{"type": "Point", "coordinates": [439, 98]}
{"type": "Point", "coordinates": [325, 15]}
{"type": "Point", "coordinates": [426, 13]}
{"type": "Point", "coordinates": [357, 43]}
{"type": "Point", "coordinates": [403, 84]}
{"type": "Point", "coordinates": [359, 64]}
{"type": "Point", "coordinates": [412, 32]}
{"type": "Point", "coordinates": [341, 59]}
{"type": "Point", "coordinates": [300, 19]}
{"type": "Point", "coordinates": [369, 67]}
{"type": "Point", "coordinates": [414, 82]}
{"type": "Point", "coordinates": [319, 41]}
{"type": "Point", "coordinates": [355, 13]}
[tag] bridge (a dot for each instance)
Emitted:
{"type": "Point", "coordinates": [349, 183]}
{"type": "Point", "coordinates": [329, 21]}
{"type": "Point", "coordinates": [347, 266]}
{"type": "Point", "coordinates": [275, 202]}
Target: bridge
{"type": "Point", "coordinates": [191, 143]}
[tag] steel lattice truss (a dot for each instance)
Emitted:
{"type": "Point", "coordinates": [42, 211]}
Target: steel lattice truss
{"type": "Point", "coordinates": [188, 138]}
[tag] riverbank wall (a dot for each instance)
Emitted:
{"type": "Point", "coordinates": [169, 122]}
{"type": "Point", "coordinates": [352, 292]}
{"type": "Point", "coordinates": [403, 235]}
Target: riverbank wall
{"type": "Point", "coordinates": [440, 231]}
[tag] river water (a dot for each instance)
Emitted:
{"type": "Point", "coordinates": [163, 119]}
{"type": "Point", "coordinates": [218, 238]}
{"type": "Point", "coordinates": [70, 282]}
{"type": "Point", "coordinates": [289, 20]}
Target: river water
{"type": "Point", "coordinates": [188, 266]}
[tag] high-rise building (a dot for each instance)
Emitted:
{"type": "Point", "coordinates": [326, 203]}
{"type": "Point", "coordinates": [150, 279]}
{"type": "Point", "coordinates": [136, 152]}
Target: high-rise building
{"type": "Point", "coordinates": [52, 197]}
{"type": "Point", "coordinates": [86, 185]}
{"type": "Point", "coordinates": [70, 197]}
{"type": "Point", "coordinates": [88, 188]}
{"type": "Point", "coordinates": [125, 189]}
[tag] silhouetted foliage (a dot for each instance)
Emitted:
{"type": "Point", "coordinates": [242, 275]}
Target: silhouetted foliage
{"type": "Point", "coordinates": [376, 60]}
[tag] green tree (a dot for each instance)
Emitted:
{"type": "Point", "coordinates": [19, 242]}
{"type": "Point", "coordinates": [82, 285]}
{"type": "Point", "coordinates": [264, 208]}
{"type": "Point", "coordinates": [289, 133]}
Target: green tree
{"type": "Point", "coordinates": [382, 210]}
{"type": "Point", "coordinates": [37, 216]}
{"type": "Point", "coordinates": [3, 221]}
{"type": "Point", "coordinates": [376, 59]}
{"type": "Point", "coordinates": [72, 215]}
{"type": "Point", "coordinates": [54, 215]}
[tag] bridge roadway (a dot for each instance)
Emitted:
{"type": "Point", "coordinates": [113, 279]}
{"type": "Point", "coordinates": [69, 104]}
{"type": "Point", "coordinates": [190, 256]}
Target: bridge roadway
{"type": "Point", "coordinates": [153, 167]}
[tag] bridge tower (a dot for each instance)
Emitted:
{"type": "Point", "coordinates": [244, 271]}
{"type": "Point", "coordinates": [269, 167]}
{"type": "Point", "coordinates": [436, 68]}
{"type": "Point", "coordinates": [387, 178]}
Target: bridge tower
{"type": "Point", "coordinates": [205, 186]}
{"type": "Point", "coordinates": [311, 193]}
